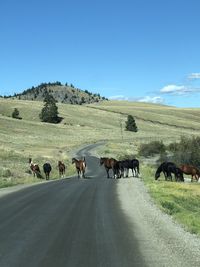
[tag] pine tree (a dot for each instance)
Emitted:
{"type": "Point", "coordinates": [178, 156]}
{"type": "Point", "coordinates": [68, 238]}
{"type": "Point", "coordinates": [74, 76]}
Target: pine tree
{"type": "Point", "coordinates": [49, 112]}
{"type": "Point", "coordinates": [131, 124]}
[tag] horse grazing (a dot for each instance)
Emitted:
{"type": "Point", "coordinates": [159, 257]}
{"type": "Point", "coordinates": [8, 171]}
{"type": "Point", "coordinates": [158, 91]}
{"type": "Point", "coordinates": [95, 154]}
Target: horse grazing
{"type": "Point", "coordinates": [35, 169]}
{"type": "Point", "coordinates": [127, 164]}
{"type": "Point", "coordinates": [47, 169]}
{"type": "Point", "coordinates": [191, 170]}
{"type": "Point", "coordinates": [80, 166]}
{"type": "Point", "coordinates": [61, 168]}
{"type": "Point", "coordinates": [168, 168]}
{"type": "Point", "coordinates": [111, 163]}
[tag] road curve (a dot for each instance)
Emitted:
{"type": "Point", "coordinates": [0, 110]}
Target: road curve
{"type": "Point", "coordinates": [79, 222]}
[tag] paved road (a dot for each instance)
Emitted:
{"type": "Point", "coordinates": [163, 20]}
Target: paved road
{"type": "Point", "coordinates": [72, 222]}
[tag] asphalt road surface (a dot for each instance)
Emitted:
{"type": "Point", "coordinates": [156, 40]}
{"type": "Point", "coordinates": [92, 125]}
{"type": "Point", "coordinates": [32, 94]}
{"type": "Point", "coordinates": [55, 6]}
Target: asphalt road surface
{"type": "Point", "coordinates": [82, 222]}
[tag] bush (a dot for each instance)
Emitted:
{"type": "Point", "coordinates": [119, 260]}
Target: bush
{"type": "Point", "coordinates": [15, 114]}
{"type": "Point", "coordinates": [152, 148]}
{"type": "Point", "coordinates": [187, 151]}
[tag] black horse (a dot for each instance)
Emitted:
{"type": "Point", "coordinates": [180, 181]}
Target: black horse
{"type": "Point", "coordinates": [168, 168]}
{"type": "Point", "coordinates": [47, 169]}
{"type": "Point", "coordinates": [127, 164]}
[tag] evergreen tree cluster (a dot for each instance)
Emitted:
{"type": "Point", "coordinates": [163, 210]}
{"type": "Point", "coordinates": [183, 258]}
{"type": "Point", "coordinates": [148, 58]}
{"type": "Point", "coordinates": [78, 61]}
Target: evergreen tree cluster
{"type": "Point", "coordinates": [49, 112]}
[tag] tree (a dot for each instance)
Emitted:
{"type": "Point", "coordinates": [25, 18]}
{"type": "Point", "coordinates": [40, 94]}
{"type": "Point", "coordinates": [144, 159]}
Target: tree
{"type": "Point", "coordinates": [15, 114]}
{"type": "Point", "coordinates": [49, 112]}
{"type": "Point", "coordinates": [130, 124]}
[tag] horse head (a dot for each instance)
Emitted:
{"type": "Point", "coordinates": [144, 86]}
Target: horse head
{"type": "Point", "coordinates": [73, 160]}
{"type": "Point", "coordinates": [157, 175]}
{"type": "Point", "coordinates": [101, 161]}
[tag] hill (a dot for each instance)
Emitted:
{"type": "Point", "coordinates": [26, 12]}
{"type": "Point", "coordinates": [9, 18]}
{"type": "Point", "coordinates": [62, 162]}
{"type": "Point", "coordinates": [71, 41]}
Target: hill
{"type": "Point", "coordinates": [67, 94]}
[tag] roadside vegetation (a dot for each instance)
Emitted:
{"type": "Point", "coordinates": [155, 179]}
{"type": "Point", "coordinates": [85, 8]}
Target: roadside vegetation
{"type": "Point", "coordinates": [180, 200]}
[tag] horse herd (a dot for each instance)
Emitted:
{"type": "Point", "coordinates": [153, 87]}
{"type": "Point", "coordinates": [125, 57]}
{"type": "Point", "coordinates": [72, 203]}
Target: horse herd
{"type": "Point", "coordinates": [46, 168]}
{"type": "Point", "coordinates": [167, 168]}
{"type": "Point", "coordinates": [120, 168]}
{"type": "Point", "coordinates": [35, 169]}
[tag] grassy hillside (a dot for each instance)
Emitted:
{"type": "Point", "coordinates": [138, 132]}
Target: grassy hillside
{"type": "Point", "coordinates": [86, 124]}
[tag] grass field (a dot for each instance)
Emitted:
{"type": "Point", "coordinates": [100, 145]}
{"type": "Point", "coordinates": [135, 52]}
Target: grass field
{"type": "Point", "coordinates": [85, 124]}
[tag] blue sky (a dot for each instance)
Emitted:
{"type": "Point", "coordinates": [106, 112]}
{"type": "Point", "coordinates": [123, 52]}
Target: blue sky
{"type": "Point", "coordinates": [143, 50]}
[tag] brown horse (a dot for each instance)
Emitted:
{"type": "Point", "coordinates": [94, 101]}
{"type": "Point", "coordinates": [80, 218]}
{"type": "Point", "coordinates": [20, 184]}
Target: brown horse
{"type": "Point", "coordinates": [110, 163]}
{"type": "Point", "coordinates": [80, 166]}
{"type": "Point", "coordinates": [191, 170]}
{"type": "Point", "coordinates": [61, 168]}
{"type": "Point", "coordinates": [35, 169]}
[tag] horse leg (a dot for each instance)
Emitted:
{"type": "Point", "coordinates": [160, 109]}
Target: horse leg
{"type": "Point", "coordinates": [127, 170]}
{"type": "Point", "coordinates": [122, 172]}
{"type": "Point", "coordinates": [113, 170]}
{"type": "Point", "coordinates": [83, 174]}
{"type": "Point", "coordinates": [107, 170]}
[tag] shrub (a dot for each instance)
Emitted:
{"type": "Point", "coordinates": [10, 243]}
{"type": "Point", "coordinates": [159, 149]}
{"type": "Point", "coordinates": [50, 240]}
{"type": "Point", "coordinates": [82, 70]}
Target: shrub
{"type": "Point", "coordinates": [152, 148]}
{"type": "Point", "coordinates": [15, 114]}
{"type": "Point", "coordinates": [187, 151]}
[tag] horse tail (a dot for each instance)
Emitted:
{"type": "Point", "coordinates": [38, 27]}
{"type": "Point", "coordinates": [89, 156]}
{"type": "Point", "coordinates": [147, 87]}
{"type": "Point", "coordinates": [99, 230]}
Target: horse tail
{"type": "Point", "coordinates": [138, 167]}
{"type": "Point", "coordinates": [84, 162]}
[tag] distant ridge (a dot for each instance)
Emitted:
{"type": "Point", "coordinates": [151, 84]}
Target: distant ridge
{"type": "Point", "coordinates": [62, 93]}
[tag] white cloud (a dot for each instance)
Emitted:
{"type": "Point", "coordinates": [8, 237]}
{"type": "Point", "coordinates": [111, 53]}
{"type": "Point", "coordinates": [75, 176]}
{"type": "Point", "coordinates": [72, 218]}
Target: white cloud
{"type": "Point", "coordinates": [152, 99]}
{"type": "Point", "coordinates": [118, 97]}
{"type": "Point", "coordinates": [194, 76]}
{"type": "Point", "coordinates": [179, 90]}
{"type": "Point", "coordinates": [146, 99]}
{"type": "Point", "coordinates": [174, 89]}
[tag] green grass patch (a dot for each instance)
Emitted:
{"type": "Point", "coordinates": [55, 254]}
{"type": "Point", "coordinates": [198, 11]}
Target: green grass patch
{"type": "Point", "coordinates": [180, 200]}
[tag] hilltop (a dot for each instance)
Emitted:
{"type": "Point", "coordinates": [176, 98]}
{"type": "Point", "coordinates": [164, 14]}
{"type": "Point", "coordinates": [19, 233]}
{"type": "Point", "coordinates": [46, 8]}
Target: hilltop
{"type": "Point", "coordinates": [66, 94]}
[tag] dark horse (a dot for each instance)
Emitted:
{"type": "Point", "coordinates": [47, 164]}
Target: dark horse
{"type": "Point", "coordinates": [61, 168]}
{"type": "Point", "coordinates": [47, 169]}
{"type": "Point", "coordinates": [191, 170]}
{"type": "Point", "coordinates": [80, 166]}
{"type": "Point", "coordinates": [35, 169]}
{"type": "Point", "coordinates": [127, 164]}
{"type": "Point", "coordinates": [110, 163]}
{"type": "Point", "coordinates": [168, 168]}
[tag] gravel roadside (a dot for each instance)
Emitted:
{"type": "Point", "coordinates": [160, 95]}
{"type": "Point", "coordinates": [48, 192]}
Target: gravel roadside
{"type": "Point", "coordinates": [162, 242]}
